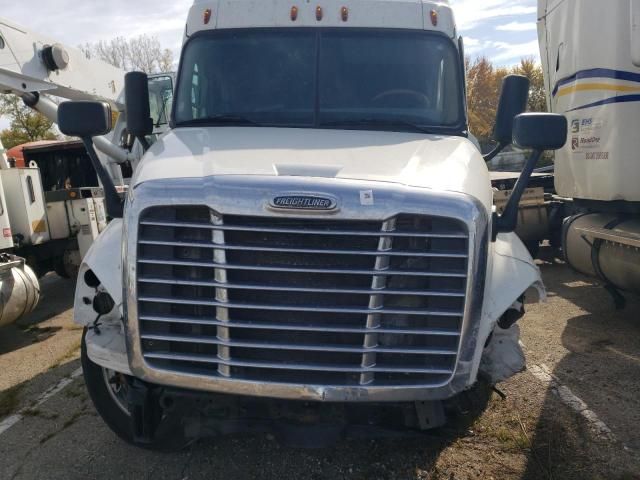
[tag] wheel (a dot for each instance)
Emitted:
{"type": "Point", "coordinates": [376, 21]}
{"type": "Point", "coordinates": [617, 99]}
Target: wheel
{"type": "Point", "coordinates": [108, 391]}
{"type": "Point", "coordinates": [68, 265]}
{"type": "Point", "coordinates": [107, 396]}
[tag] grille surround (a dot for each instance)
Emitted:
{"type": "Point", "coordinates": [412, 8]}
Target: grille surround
{"type": "Point", "coordinates": [251, 197]}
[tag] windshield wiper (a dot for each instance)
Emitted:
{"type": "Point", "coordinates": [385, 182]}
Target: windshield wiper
{"type": "Point", "coordinates": [222, 119]}
{"type": "Point", "coordinates": [376, 122]}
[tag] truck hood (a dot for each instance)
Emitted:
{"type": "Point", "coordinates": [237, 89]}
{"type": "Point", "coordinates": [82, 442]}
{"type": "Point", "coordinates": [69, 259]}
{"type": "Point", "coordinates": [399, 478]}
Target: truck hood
{"type": "Point", "coordinates": [429, 161]}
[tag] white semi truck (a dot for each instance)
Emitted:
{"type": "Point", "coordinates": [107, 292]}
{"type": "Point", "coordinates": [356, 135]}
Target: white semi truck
{"type": "Point", "coordinates": [313, 243]}
{"type": "Point", "coordinates": [590, 53]}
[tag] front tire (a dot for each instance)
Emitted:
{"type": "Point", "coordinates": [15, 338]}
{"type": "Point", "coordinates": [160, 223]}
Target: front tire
{"type": "Point", "coordinates": [108, 392]}
{"type": "Point", "coordinates": [111, 411]}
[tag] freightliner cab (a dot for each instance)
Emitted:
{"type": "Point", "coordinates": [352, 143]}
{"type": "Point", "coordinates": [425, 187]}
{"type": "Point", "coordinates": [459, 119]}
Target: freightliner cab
{"type": "Point", "coordinates": [313, 244]}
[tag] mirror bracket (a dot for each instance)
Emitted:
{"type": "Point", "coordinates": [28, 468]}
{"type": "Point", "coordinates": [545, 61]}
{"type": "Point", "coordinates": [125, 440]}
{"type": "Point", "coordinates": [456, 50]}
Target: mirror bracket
{"type": "Point", "coordinates": [492, 154]}
{"type": "Point", "coordinates": [113, 203]}
{"type": "Point", "coordinates": [508, 221]}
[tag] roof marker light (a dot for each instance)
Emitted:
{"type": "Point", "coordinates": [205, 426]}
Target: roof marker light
{"type": "Point", "coordinates": [206, 17]}
{"type": "Point", "coordinates": [294, 13]}
{"type": "Point", "coordinates": [434, 18]}
{"type": "Point", "coordinates": [318, 13]}
{"type": "Point", "coordinates": [344, 11]}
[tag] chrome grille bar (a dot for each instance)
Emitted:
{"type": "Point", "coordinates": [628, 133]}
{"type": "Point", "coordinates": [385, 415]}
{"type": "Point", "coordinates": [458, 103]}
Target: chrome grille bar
{"type": "Point", "coordinates": [222, 297]}
{"type": "Point", "coordinates": [298, 366]}
{"type": "Point", "coordinates": [361, 291]}
{"type": "Point", "coordinates": [375, 310]}
{"type": "Point", "coordinates": [378, 283]}
{"type": "Point", "coordinates": [185, 263]}
{"type": "Point", "coordinates": [300, 328]}
{"type": "Point", "coordinates": [157, 223]}
{"type": "Point", "coordinates": [293, 346]}
{"type": "Point", "coordinates": [303, 250]}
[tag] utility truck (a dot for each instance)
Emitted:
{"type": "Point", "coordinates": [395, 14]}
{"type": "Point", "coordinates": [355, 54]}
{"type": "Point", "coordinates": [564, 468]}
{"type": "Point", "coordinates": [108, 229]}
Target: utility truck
{"type": "Point", "coordinates": [19, 287]}
{"type": "Point", "coordinates": [312, 247]}
{"type": "Point", "coordinates": [51, 202]}
{"type": "Point", "coordinates": [590, 53]}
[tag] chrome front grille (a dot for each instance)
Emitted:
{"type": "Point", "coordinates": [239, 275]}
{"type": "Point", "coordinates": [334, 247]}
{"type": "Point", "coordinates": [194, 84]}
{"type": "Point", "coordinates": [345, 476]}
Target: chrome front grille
{"type": "Point", "coordinates": [301, 300]}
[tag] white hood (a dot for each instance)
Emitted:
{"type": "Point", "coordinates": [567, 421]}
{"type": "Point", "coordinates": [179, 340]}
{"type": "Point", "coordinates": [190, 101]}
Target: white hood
{"type": "Point", "coordinates": [427, 161]}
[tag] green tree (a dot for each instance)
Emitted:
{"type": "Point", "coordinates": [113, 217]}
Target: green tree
{"type": "Point", "coordinates": [484, 82]}
{"type": "Point", "coordinates": [537, 92]}
{"type": "Point", "coordinates": [483, 91]}
{"type": "Point", "coordinates": [26, 125]}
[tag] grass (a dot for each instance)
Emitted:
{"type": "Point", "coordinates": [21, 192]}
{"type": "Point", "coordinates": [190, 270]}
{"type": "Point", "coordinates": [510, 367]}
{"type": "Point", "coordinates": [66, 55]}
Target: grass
{"type": "Point", "coordinates": [9, 400]}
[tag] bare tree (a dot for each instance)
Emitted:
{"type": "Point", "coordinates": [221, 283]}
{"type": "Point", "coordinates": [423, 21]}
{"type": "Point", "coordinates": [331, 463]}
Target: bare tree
{"type": "Point", "coordinates": [142, 53]}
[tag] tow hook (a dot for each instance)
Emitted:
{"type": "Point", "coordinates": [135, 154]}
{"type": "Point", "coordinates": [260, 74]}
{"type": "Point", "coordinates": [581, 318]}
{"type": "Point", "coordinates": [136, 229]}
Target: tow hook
{"type": "Point", "coordinates": [145, 411]}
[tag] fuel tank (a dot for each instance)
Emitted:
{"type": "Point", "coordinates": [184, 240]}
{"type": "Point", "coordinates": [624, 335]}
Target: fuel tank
{"type": "Point", "coordinates": [19, 289]}
{"type": "Point", "coordinates": [605, 246]}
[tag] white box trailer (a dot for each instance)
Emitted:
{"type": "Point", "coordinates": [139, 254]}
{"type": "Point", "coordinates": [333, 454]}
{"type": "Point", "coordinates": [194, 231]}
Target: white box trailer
{"type": "Point", "coordinates": [590, 52]}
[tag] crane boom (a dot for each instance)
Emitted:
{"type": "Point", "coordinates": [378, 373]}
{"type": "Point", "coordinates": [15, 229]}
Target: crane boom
{"type": "Point", "coordinates": [38, 69]}
{"type": "Point", "coordinates": [30, 62]}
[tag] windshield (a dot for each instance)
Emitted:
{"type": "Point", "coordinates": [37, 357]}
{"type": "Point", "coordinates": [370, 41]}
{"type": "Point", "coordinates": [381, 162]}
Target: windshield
{"type": "Point", "coordinates": [356, 78]}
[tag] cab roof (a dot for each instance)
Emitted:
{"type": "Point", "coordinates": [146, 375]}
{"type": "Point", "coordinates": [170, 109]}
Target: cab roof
{"type": "Point", "coordinates": [434, 15]}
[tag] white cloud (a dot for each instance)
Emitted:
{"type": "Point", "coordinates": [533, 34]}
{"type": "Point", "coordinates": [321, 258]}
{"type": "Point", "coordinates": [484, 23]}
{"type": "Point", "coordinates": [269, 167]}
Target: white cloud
{"type": "Point", "coordinates": [473, 45]}
{"type": "Point", "coordinates": [517, 27]}
{"type": "Point", "coordinates": [74, 22]}
{"type": "Point", "coordinates": [471, 13]}
{"type": "Point", "coordinates": [502, 30]}
{"type": "Point", "coordinates": [510, 52]}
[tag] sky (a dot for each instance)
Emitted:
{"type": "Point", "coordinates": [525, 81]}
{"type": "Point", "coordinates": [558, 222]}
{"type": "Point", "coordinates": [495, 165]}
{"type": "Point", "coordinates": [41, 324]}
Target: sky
{"type": "Point", "coordinates": [502, 30]}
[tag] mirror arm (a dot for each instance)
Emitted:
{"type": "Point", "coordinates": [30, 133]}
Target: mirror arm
{"type": "Point", "coordinates": [112, 199]}
{"type": "Point", "coordinates": [508, 221]}
{"type": "Point", "coordinates": [492, 154]}
{"type": "Point", "coordinates": [143, 141]}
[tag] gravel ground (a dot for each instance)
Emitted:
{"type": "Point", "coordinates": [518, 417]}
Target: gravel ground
{"type": "Point", "coordinates": [577, 336]}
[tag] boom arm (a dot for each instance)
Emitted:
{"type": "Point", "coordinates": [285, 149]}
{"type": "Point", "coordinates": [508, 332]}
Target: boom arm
{"type": "Point", "coordinates": [36, 68]}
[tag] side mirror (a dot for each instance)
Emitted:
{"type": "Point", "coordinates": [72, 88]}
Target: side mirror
{"type": "Point", "coordinates": [87, 120]}
{"type": "Point", "coordinates": [539, 132]}
{"type": "Point", "coordinates": [513, 101]}
{"type": "Point", "coordinates": [139, 121]}
{"type": "Point", "coordinates": [84, 119]}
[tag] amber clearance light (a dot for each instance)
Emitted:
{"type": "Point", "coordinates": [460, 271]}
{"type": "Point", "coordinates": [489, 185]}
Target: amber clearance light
{"type": "Point", "coordinates": [206, 17]}
{"type": "Point", "coordinates": [344, 12]}
{"type": "Point", "coordinates": [434, 18]}
{"type": "Point", "coordinates": [294, 13]}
